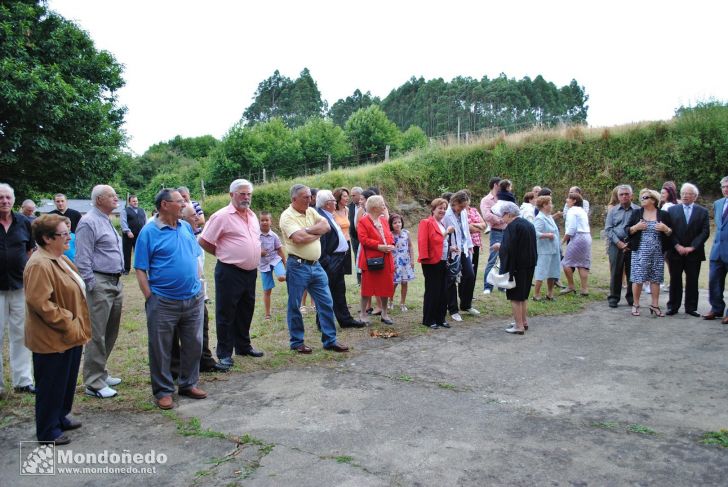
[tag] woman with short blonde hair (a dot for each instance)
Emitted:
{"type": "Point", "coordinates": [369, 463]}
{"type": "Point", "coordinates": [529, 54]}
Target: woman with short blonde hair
{"type": "Point", "coordinates": [649, 229]}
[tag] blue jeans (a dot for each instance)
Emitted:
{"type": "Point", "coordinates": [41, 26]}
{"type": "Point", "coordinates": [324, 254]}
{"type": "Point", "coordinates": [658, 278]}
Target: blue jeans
{"type": "Point", "coordinates": [716, 286]}
{"type": "Point", "coordinates": [496, 236]}
{"type": "Point", "coordinates": [300, 276]}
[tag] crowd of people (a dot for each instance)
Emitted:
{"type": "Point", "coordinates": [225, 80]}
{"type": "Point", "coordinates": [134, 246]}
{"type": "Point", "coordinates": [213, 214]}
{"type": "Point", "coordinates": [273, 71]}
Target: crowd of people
{"type": "Point", "coordinates": [61, 290]}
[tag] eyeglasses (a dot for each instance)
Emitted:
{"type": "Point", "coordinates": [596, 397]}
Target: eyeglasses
{"type": "Point", "coordinates": [646, 198]}
{"type": "Point", "coordinates": [62, 234]}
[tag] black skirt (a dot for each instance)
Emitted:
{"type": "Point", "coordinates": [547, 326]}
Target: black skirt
{"type": "Point", "coordinates": [523, 279]}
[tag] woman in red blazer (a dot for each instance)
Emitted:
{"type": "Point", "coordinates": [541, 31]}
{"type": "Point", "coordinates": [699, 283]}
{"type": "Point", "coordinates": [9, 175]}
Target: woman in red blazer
{"type": "Point", "coordinates": [376, 241]}
{"type": "Point", "coordinates": [432, 248]}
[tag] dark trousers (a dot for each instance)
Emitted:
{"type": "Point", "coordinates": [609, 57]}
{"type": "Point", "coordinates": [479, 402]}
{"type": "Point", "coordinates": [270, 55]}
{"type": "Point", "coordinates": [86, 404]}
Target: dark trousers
{"type": "Point", "coordinates": [207, 362]}
{"type": "Point", "coordinates": [619, 263]}
{"type": "Point", "coordinates": [434, 306]}
{"type": "Point", "coordinates": [691, 268]}
{"type": "Point", "coordinates": [475, 257]}
{"type": "Point", "coordinates": [127, 245]}
{"type": "Point", "coordinates": [496, 236]}
{"type": "Point", "coordinates": [55, 383]}
{"type": "Point", "coordinates": [168, 319]}
{"type": "Point", "coordinates": [464, 290]}
{"type": "Point", "coordinates": [234, 306]}
{"type": "Point", "coordinates": [337, 285]}
{"type": "Point", "coordinates": [716, 285]}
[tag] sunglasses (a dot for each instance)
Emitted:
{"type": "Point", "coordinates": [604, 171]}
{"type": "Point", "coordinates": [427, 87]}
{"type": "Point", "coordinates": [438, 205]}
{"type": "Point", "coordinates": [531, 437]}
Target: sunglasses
{"type": "Point", "coordinates": [646, 198]}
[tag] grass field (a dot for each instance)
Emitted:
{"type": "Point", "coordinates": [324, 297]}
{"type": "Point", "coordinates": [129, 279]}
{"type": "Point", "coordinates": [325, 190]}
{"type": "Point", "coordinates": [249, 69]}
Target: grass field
{"type": "Point", "coordinates": [129, 358]}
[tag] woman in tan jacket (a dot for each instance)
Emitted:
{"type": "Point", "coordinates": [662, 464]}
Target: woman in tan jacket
{"type": "Point", "coordinates": [56, 326]}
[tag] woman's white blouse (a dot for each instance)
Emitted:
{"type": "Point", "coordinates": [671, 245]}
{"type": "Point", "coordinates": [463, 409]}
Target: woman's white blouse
{"type": "Point", "coordinates": [576, 221]}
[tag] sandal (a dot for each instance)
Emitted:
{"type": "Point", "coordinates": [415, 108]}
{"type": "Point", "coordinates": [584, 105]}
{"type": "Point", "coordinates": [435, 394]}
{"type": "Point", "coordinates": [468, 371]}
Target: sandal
{"type": "Point", "coordinates": [567, 290]}
{"type": "Point", "coordinates": [635, 310]}
{"type": "Point", "coordinates": [657, 311]}
{"type": "Point", "coordinates": [537, 298]}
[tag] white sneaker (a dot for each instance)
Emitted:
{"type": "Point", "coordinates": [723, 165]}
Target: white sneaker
{"type": "Point", "coordinates": [487, 291]}
{"type": "Point", "coordinates": [473, 311]}
{"type": "Point", "coordinates": [104, 393]}
{"type": "Point", "coordinates": [456, 317]}
{"type": "Point", "coordinates": [112, 381]}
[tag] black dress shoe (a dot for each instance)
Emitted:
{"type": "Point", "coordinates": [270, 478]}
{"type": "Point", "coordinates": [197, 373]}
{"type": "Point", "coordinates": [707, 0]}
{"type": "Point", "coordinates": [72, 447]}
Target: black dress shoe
{"type": "Point", "coordinates": [252, 352]}
{"type": "Point", "coordinates": [218, 367]}
{"type": "Point", "coordinates": [215, 368]}
{"type": "Point", "coordinates": [433, 326]}
{"type": "Point", "coordinates": [71, 424]}
{"type": "Point", "coordinates": [387, 321]}
{"type": "Point", "coordinates": [671, 312]}
{"type": "Point", "coordinates": [353, 324]}
{"type": "Point", "coordinates": [444, 324]}
{"type": "Point", "coordinates": [29, 389]}
{"type": "Point", "coordinates": [612, 305]}
{"type": "Point", "coordinates": [693, 313]}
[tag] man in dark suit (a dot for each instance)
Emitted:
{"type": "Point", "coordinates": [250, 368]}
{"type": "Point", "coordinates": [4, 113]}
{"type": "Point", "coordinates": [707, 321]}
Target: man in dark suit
{"type": "Point", "coordinates": [690, 230]}
{"type": "Point", "coordinates": [719, 257]}
{"type": "Point", "coordinates": [333, 252]}
{"type": "Point", "coordinates": [132, 219]}
{"type": "Point", "coordinates": [356, 192]}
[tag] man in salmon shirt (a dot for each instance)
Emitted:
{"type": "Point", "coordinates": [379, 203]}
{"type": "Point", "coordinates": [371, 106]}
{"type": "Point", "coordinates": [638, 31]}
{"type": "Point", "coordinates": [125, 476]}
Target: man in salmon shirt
{"type": "Point", "coordinates": [232, 234]}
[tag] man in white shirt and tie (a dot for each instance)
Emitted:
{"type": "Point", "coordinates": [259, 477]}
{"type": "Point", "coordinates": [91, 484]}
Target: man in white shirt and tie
{"type": "Point", "coordinates": [690, 231]}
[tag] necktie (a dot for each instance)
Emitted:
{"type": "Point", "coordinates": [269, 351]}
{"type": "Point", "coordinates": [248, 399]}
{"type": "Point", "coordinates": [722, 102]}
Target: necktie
{"type": "Point", "coordinates": [725, 212]}
{"type": "Point", "coordinates": [688, 208]}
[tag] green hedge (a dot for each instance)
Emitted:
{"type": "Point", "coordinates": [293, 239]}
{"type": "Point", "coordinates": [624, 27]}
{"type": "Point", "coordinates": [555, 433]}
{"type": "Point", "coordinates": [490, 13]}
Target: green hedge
{"type": "Point", "coordinates": [692, 147]}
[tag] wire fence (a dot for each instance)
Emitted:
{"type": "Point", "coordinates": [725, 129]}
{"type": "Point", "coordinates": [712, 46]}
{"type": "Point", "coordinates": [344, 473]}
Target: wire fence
{"type": "Point", "coordinates": [266, 175]}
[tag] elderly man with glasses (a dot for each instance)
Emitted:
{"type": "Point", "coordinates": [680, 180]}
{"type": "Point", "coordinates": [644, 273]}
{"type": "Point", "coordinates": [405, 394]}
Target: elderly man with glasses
{"type": "Point", "coordinates": [167, 270]}
{"type": "Point", "coordinates": [232, 234]}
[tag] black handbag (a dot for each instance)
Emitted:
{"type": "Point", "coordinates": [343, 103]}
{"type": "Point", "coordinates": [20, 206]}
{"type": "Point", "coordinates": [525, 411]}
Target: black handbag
{"type": "Point", "coordinates": [375, 263]}
{"type": "Point", "coordinates": [454, 264]}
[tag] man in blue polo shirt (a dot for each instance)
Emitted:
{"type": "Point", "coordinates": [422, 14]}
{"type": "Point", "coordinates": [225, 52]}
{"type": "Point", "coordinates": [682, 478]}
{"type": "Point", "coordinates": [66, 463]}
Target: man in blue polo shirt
{"type": "Point", "coordinates": [168, 274]}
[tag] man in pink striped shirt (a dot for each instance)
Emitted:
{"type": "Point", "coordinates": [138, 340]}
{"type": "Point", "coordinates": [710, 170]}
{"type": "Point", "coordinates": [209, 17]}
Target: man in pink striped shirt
{"type": "Point", "coordinates": [497, 225]}
{"type": "Point", "coordinates": [232, 234]}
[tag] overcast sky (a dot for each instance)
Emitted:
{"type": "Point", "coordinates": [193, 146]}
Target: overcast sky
{"type": "Point", "coordinates": [192, 67]}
